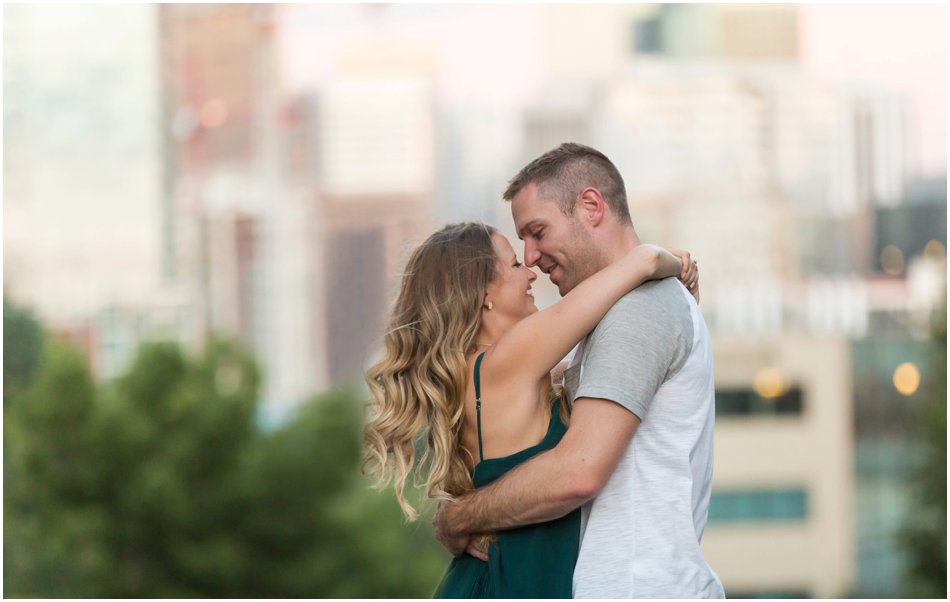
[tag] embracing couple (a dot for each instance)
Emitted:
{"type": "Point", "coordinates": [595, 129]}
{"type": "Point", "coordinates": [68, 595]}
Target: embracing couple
{"type": "Point", "coordinates": [597, 488]}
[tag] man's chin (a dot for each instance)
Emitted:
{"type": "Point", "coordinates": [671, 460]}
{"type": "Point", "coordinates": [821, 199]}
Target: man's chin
{"type": "Point", "coordinates": [557, 279]}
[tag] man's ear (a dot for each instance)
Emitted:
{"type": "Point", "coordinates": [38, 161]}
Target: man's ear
{"type": "Point", "coordinates": [591, 206]}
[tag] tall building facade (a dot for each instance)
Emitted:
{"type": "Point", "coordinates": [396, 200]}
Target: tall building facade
{"type": "Point", "coordinates": [373, 198]}
{"type": "Point", "coordinates": [781, 515]}
{"type": "Point", "coordinates": [294, 207]}
{"type": "Point", "coordinates": [80, 242]}
{"type": "Point", "coordinates": [223, 175]}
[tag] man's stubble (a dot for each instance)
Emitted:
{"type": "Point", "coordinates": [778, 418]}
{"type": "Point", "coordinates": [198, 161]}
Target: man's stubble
{"type": "Point", "coordinates": [585, 256]}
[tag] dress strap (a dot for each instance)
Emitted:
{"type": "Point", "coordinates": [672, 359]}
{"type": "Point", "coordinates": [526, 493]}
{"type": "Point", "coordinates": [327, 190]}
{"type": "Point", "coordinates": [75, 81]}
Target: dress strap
{"type": "Point", "coordinates": [478, 403]}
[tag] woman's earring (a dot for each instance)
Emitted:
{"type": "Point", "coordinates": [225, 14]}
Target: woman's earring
{"type": "Point", "coordinates": [490, 305]}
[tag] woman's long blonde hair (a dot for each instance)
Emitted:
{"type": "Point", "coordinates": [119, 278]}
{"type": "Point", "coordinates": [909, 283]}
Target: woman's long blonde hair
{"type": "Point", "coordinates": [418, 387]}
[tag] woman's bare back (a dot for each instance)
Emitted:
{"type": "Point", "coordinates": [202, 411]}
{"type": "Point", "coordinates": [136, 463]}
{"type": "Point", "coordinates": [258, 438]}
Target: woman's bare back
{"type": "Point", "coordinates": [514, 413]}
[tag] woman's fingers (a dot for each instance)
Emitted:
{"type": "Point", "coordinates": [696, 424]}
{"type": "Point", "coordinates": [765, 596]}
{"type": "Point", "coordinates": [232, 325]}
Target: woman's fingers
{"type": "Point", "coordinates": [478, 547]}
{"type": "Point", "coordinates": [689, 271]}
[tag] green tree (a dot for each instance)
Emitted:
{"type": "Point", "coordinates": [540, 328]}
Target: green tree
{"type": "Point", "coordinates": [317, 526]}
{"type": "Point", "coordinates": [160, 485]}
{"type": "Point", "coordinates": [925, 535]}
{"type": "Point", "coordinates": [22, 347]}
{"type": "Point", "coordinates": [171, 438]}
{"type": "Point", "coordinates": [54, 529]}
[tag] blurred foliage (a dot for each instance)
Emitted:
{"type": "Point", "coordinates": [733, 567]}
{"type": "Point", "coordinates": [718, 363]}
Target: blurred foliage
{"type": "Point", "coordinates": [925, 535]}
{"type": "Point", "coordinates": [22, 347]}
{"type": "Point", "coordinates": [161, 485]}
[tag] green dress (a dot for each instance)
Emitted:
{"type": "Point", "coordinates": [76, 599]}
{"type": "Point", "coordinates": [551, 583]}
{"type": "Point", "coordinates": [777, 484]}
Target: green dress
{"type": "Point", "coordinates": [536, 561]}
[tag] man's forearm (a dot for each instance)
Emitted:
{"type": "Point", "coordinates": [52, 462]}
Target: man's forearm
{"type": "Point", "coordinates": [549, 485]}
{"type": "Point", "coordinates": [539, 490]}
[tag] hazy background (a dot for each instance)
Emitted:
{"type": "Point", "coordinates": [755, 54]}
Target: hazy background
{"type": "Point", "coordinates": [207, 207]}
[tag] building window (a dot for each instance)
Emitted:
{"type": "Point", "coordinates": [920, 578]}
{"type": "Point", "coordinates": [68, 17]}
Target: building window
{"type": "Point", "coordinates": [648, 36]}
{"type": "Point", "coordinates": [744, 402]}
{"type": "Point", "coordinates": [355, 300]}
{"type": "Point", "coordinates": [771, 505]}
{"type": "Point", "coordinates": [247, 246]}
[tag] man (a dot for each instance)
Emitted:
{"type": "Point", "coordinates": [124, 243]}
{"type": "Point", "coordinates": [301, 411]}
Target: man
{"type": "Point", "coordinates": [638, 452]}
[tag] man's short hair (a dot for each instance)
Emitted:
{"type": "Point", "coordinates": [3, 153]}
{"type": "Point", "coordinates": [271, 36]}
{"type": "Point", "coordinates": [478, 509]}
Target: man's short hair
{"type": "Point", "coordinates": [562, 173]}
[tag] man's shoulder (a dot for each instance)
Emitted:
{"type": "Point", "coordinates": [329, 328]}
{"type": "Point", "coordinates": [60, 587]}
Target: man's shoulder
{"type": "Point", "coordinates": [644, 338]}
{"type": "Point", "coordinates": [656, 299]}
{"type": "Point", "coordinates": [658, 309]}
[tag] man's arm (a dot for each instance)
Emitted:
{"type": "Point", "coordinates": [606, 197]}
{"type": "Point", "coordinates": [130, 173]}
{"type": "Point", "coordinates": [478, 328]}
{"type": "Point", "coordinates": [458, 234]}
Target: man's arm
{"type": "Point", "coordinates": [549, 485]}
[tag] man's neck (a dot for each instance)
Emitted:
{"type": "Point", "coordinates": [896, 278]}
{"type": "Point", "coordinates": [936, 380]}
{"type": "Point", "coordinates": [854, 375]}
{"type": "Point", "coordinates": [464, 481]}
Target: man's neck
{"type": "Point", "coordinates": [619, 244]}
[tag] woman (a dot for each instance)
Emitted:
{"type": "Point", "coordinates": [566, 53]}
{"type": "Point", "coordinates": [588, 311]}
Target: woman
{"type": "Point", "coordinates": [467, 363]}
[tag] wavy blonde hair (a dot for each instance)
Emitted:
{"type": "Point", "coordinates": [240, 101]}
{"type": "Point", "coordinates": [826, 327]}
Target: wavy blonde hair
{"type": "Point", "coordinates": [418, 387]}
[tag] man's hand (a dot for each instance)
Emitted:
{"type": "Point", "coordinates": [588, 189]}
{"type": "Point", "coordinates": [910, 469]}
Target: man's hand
{"type": "Point", "coordinates": [452, 540]}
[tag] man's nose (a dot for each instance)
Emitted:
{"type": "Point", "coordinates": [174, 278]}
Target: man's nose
{"type": "Point", "coordinates": [531, 254]}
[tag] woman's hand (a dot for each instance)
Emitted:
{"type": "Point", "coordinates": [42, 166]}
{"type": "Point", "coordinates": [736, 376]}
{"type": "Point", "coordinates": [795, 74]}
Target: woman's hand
{"type": "Point", "coordinates": [658, 263]}
{"type": "Point", "coordinates": [689, 273]}
{"type": "Point", "coordinates": [478, 546]}
{"type": "Point", "coordinates": [655, 262]}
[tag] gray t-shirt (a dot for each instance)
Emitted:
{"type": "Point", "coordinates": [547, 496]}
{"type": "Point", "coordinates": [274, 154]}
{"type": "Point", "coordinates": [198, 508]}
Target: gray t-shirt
{"type": "Point", "coordinates": [640, 536]}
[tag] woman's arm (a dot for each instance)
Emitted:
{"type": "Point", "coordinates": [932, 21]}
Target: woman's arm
{"type": "Point", "coordinates": [537, 343]}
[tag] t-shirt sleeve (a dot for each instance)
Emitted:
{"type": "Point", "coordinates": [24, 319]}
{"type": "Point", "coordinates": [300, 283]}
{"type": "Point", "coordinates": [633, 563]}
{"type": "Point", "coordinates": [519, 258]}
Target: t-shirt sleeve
{"type": "Point", "coordinates": [634, 349]}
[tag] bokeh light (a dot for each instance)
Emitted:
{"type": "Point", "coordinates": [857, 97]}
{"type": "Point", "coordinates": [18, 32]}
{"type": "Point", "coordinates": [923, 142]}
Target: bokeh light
{"type": "Point", "coordinates": [906, 379]}
{"type": "Point", "coordinates": [770, 383]}
{"type": "Point", "coordinates": [214, 113]}
{"type": "Point", "coordinates": [892, 260]}
{"type": "Point", "coordinates": [934, 250]}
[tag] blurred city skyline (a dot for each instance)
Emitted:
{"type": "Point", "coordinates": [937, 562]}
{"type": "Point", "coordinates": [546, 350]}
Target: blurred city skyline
{"type": "Point", "coordinates": [262, 172]}
{"type": "Point", "coordinates": [912, 63]}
